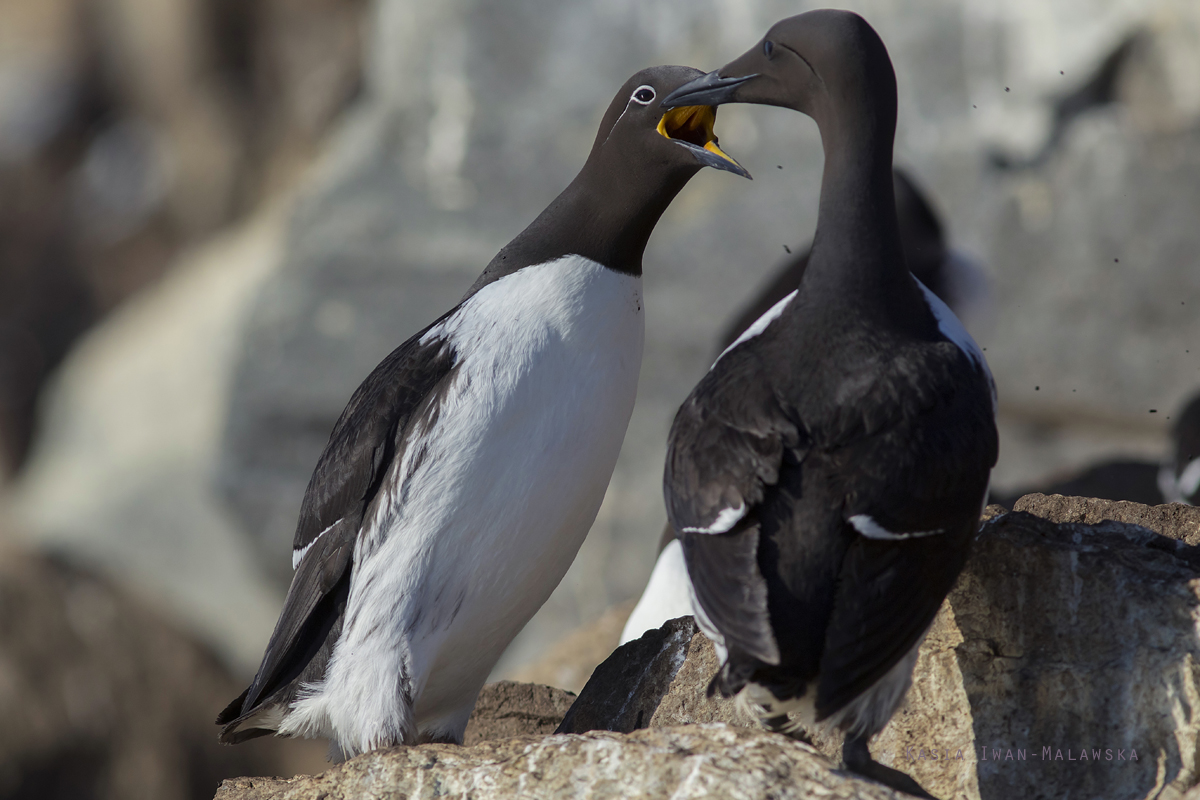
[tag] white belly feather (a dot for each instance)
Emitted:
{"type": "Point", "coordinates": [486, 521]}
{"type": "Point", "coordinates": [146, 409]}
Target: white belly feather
{"type": "Point", "coordinates": [518, 460]}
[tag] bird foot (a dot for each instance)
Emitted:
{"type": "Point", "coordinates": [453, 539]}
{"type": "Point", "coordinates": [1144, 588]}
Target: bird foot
{"type": "Point", "coordinates": [776, 724]}
{"type": "Point", "coordinates": [857, 759]}
{"type": "Point", "coordinates": [781, 723]}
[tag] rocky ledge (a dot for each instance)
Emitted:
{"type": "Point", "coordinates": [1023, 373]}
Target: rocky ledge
{"type": "Point", "coordinates": [711, 760]}
{"type": "Point", "coordinates": [1064, 663]}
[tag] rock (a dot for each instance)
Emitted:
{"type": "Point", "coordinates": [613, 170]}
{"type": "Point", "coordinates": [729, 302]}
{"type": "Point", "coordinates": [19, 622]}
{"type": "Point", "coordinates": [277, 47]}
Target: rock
{"type": "Point", "coordinates": [569, 662]}
{"type": "Point", "coordinates": [129, 129]}
{"type": "Point", "coordinates": [1173, 520]}
{"type": "Point", "coordinates": [695, 761]}
{"type": "Point", "coordinates": [506, 709]}
{"type": "Point", "coordinates": [1059, 636]}
{"type": "Point", "coordinates": [658, 680]}
{"type": "Point", "coordinates": [103, 700]}
{"type": "Point", "coordinates": [1113, 479]}
{"type": "Point", "coordinates": [1079, 636]}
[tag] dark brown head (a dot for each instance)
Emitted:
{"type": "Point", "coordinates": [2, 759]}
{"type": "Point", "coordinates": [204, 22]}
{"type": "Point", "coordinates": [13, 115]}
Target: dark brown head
{"type": "Point", "coordinates": [643, 156]}
{"type": "Point", "coordinates": [643, 140]}
{"type": "Point", "coordinates": [830, 65]}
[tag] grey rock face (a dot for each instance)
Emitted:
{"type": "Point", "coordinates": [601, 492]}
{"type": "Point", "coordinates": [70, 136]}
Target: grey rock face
{"type": "Point", "coordinates": [1061, 638]}
{"type": "Point", "coordinates": [1172, 520]}
{"type": "Point", "coordinates": [693, 762]}
{"type": "Point", "coordinates": [1079, 637]}
{"type": "Point", "coordinates": [121, 477]}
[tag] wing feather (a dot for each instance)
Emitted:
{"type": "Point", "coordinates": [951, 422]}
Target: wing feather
{"type": "Point", "coordinates": [368, 436]}
{"type": "Point", "coordinates": [727, 446]}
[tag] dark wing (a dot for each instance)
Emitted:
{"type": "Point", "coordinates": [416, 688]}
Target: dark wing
{"type": "Point", "coordinates": [366, 439]}
{"type": "Point", "coordinates": [727, 445]}
{"type": "Point", "coordinates": [925, 474]}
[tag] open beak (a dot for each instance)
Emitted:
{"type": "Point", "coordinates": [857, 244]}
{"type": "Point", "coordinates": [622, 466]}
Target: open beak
{"type": "Point", "coordinates": [709, 90]}
{"type": "Point", "coordinates": [692, 127]}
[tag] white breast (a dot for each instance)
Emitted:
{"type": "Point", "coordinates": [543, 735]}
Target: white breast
{"type": "Point", "coordinates": [514, 470]}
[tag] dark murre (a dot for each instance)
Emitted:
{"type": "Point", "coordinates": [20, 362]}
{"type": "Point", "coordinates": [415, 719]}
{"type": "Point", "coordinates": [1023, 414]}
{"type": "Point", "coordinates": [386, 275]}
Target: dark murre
{"type": "Point", "coordinates": [463, 475]}
{"type": "Point", "coordinates": [827, 475]}
{"type": "Point", "coordinates": [951, 275]}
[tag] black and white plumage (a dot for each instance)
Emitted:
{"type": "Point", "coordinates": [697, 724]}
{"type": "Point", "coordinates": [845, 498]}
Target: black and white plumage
{"type": "Point", "coordinates": [825, 478]}
{"type": "Point", "coordinates": [463, 475]}
{"type": "Point", "coordinates": [1179, 476]}
{"type": "Point", "coordinates": [945, 271]}
{"type": "Point", "coordinates": [949, 274]}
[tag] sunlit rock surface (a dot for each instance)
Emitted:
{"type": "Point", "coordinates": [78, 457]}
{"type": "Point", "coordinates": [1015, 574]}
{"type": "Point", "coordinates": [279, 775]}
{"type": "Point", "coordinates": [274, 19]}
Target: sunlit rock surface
{"type": "Point", "coordinates": [697, 761]}
{"type": "Point", "coordinates": [1063, 663]}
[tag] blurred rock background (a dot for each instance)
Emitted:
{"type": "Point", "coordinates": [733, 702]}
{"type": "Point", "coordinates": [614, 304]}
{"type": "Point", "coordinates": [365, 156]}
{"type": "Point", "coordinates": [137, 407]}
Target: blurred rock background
{"type": "Point", "coordinates": [216, 216]}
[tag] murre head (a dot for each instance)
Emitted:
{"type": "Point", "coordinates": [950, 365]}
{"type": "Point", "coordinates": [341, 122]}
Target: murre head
{"type": "Point", "coordinates": [643, 156]}
{"type": "Point", "coordinates": [830, 65]}
{"type": "Point", "coordinates": [639, 137]}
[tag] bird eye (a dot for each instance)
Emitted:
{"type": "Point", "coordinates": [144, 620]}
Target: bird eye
{"type": "Point", "coordinates": [644, 94]}
{"type": "Point", "coordinates": [767, 48]}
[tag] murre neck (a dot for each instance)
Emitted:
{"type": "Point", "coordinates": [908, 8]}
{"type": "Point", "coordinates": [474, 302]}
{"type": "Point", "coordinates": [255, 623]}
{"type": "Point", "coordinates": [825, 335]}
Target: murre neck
{"type": "Point", "coordinates": [857, 240]}
{"type": "Point", "coordinates": [606, 214]}
{"type": "Point", "coordinates": [857, 257]}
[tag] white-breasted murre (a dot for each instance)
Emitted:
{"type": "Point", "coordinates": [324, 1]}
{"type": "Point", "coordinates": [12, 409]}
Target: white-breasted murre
{"type": "Point", "coordinates": [463, 475]}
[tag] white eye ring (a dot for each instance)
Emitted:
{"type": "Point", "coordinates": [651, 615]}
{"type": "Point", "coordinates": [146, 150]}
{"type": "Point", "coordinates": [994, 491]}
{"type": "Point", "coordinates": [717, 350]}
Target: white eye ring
{"type": "Point", "coordinates": [640, 92]}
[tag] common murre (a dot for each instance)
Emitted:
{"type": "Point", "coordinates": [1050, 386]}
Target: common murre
{"type": "Point", "coordinates": [463, 475]}
{"type": "Point", "coordinates": [948, 273]}
{"type": "Point", "coordinates": [826, 476]}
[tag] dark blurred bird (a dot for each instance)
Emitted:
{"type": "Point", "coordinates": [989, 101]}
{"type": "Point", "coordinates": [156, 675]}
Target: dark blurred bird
{"type": "Point", "coordinates": [1097, 90]}
{"type": "Point", "coordinates": [947, 273]}
{"type": "Point", "coordinates": [1175, 479]}
{"type": "Point", "coordinates": [826, 477]}
{"type": "Point", "coordinates": [461, 479]}
{"type": "Point", "coordinates": [1179, 477]}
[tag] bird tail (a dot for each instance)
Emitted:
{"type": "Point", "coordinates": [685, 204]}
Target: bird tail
{"type": "Point", "coordinates": [241, 727]}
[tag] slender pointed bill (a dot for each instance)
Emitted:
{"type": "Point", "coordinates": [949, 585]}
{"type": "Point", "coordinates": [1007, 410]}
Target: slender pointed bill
{"type": "Point", "coordinates": [692, 127]}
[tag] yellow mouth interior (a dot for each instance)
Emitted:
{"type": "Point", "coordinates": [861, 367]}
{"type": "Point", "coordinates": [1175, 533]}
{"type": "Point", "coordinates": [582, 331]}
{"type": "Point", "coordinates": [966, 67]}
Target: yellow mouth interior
{"type": "Point", "coordinates": [694, 125]}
